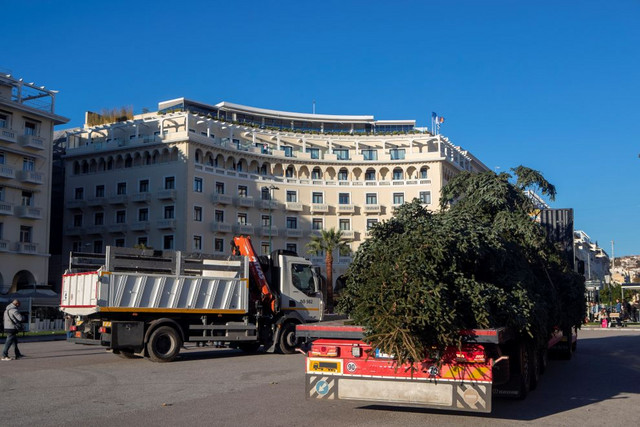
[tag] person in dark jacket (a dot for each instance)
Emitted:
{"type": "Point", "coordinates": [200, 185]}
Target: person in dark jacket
{"type": "Point", "coordinates": [12, 325]}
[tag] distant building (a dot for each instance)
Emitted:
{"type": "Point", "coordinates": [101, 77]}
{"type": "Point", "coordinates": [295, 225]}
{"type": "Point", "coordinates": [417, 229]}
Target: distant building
{"type": "Point", "coordinates": [591, 261]}
{"type": "Point", "coordinates": [27, 119]}
{"type": "Point", "coordinates": [192, 175]}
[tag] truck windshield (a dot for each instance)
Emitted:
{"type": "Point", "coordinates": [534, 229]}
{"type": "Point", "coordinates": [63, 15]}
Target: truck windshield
{"type": "Point", "coordinates": [302, 278]}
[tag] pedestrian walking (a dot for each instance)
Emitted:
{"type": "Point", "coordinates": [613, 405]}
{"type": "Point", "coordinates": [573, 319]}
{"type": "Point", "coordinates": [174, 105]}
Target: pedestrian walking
{"type": "Point", "coordinates": [12, 325]}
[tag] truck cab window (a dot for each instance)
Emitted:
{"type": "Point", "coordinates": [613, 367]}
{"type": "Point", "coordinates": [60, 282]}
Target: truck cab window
{"type": "Point", "coordinates": [302, 278]}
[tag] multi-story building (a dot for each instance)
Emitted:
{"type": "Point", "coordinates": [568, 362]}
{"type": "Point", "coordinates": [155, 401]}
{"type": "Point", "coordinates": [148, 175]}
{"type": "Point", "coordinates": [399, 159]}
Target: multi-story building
{"type": "Point", "coordinates": [27, 119]}
{"type": "Point", "coordinates": [191, 175]}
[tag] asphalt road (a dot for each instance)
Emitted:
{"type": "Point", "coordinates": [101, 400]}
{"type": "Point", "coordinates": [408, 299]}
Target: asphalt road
{"type": "Point", "coordinates": [62, 384]}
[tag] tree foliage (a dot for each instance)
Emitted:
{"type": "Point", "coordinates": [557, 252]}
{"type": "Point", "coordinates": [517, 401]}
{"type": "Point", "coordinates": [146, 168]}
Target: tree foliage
{"type": "Point", "coordinates": [480, 262]}
{"type": "Point", "coordinates": [327, 242]}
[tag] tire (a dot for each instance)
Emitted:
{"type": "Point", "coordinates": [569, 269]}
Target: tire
{"type": "Point", "coordinates": [164, 344]}
{"type": "Point", "coordinates": [287, 341]}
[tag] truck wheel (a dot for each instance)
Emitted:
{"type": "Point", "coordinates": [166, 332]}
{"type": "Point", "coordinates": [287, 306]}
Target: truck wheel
{"type": "Point", "coordinates": [164, 344]}
{"type": "Point", "coordinates": [525, 371]}
{"type": "Point", "coordinates": [287, 341]}
{"type": "Point", "coordinates": [567, 352]}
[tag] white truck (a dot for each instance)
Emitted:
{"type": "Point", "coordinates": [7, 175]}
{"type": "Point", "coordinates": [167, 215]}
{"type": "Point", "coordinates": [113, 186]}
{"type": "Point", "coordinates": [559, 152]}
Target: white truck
{"type": "Point", "coordinates": [146, 302]}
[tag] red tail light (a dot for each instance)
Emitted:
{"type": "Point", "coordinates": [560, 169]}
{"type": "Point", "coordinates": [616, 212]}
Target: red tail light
{"type": "Point", "coordinates": [73, 328]}
{"type": "Point", "coordinates": [470, 354]}
{"type": "Point", "coordinates": [325, 351]}
{"type": "Point", "coordinates": [102, 329]}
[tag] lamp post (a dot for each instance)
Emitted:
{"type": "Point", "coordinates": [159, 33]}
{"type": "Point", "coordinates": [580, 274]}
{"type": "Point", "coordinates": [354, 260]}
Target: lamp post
{"type": "Point", "coordinates": [271, 188]}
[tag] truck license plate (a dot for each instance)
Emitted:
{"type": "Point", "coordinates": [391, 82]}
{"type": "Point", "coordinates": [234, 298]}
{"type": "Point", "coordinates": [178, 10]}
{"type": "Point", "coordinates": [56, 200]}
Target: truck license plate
{"type": "Point", "coordinates": [325, 366]}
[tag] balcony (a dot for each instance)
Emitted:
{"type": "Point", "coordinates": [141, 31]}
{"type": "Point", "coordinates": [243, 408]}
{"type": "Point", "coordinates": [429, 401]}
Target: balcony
{"type": "Point", "coordinates": [4, 245]}
{"type": "Point", "coordinates": [294, 206]}
{"type": "Point", "coordinates": [95, 229]}
{"type": "Point", "coordinates": [117, 228]}
{"type": "Point", "coordinates": [6, 172]}
{"type": "Point", "coordinates": [243, 229]}
{"type": "Point", "coordinates": [269, 231]}
{"type": "Point", "coordinates": [75, 204]}
{"type": "Point", "coordinates": [166, 224]}
{"type": "Point", "coordinates": [31, 141]}
{"type": "Point", "coordinates": [140, 226]}
{"type": "Point", "coordinates": [8, 135]}
{"type": "Point", "coordinates": [315, 233]}
{"type": "Point", "coordinates": [268, 204]}
{"type": "Point", "coordinates": [294, 233]}
{"type": "Point", "coordinates": [167, 194]}
{"type": "Point", "coordinates": [346, 209]}
{"type": "Point", "coordinates": [141, 198]}
{"type": "Point", "coordinates": [348, 234]}
{"type": "Point", "coordinates": [6, 208]}
{"type": "Point", "coordinates": [372, 209]}
{"type": "Point", "coordinates": [118, 199]}
{"type": "Point", "coordinates": [28, 212]}
{"type": "Point", "coordinates": [221, 199]}
{"type": "Point", "coordinates": [96, 201]}
{"type": "Point", "coordinates": [319, 208]}
{"type": "Point", "coordinates": [220, 227]}
{"type": "Point", "coordinates": [245, 202]}
{"type": "Point", "coordinates": [74, 231]}
{"type": "Point", "coordinates": [30, 177]}
{"type": "Point", "coordinates": [26, 248]}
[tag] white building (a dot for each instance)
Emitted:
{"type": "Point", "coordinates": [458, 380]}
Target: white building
{"type": "Point", "coordinates": [192, 175]}
{"type": "Point", "coordinates": [27, 119]}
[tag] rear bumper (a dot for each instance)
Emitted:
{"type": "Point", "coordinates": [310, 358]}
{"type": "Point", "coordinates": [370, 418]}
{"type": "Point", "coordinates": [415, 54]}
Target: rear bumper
{"type": "Point", "coordinates": [450, 395]}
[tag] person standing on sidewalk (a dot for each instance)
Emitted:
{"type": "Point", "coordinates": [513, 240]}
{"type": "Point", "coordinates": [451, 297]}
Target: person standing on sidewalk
{"type": "Point", "coordinates": [12, 325]}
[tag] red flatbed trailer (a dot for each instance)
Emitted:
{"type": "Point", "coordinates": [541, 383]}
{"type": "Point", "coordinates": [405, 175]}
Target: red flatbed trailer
{"type": "Point", "coordinates": [340, 365]}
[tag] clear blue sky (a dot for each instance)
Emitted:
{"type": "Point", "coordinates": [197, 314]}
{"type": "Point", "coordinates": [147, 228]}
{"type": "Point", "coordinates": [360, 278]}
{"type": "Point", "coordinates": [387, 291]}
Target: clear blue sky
{"type": "Point", "coordinates": [552, 85]}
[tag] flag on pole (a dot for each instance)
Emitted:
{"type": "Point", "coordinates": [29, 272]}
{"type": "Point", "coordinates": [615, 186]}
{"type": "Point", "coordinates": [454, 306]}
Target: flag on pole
{"type": "Point", "coordinates": [434, 115]}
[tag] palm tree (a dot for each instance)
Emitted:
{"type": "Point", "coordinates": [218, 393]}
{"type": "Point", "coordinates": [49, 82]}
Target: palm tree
{"type": "Point", "coordinates": [327, 242]}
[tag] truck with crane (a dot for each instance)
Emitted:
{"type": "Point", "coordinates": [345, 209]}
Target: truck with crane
{"type": "Point", "coordinates": [147, 302]}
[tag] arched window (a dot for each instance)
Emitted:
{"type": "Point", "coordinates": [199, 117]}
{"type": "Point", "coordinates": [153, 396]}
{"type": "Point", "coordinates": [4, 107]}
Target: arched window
{"type": "Point", "coordinates": [316, 174]}
{"type": "Point", "coordinates": [370, 175]}
{"type": "Point", "coordinates": [397, 174]}
{"type": "Point", "coordinates": [424, 173]}
{"type": "Point", "coordinates": [343, 174]}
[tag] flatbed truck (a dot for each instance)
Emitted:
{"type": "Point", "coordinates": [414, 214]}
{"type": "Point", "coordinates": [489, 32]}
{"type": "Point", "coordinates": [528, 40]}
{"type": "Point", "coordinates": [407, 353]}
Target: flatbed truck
{"type": "Point", "coordinates": [149, 303]}
{"type": "Point", "coordinates": [490, 362]}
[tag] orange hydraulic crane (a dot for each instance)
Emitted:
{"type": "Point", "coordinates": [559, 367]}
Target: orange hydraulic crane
{"type": "Point", "coordinates": [242, 246]}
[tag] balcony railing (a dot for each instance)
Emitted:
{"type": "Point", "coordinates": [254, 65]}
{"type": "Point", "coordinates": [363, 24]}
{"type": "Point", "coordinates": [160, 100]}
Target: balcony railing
{"type": "Point", "coordinates": [30, 177]}
{"type": "Point", "coordinates": [95, 229]}
{"type": "Point", "coordinates": [268, 204]}
{"type": "Point", "coordinates": [221, 199]}
{"type": "Point", "coordinates": [346, 209]}
{"type": "Point", "coordinates": [74, 231]}
{"type": "Point", "coordinates": [269, 231]}
{"type": "Point", "coordinates": [246, 202]}
{"type": "Point", "coordinates": [141, 198]}
{"type": "Point", "coordinates": [31, 141]}
{"type": "Point", "coordinates": [220, 227]}
{"type": "Point", "coordinates": [372, 209]}
{"type": "Point", "coordinates": [6, 172]}
{"type": "Point", "coordinates": [26, 247]}
{"type": "Point", "coordinates": [319, 208]}
{"type": "Point", "coordinates": [75, 204]}
{"type": "Point", "coordinates": [6, 208]}
{"type": "Point", "coordinates": [8, 135]}
{"type": "Point", "coordinates": [167, 194]}
{"type": "Point", "coordinates": [294, 206]}
{"type": "Point", "coordinates": [28, 212]}
{"type": "Point", "coordinates": [165, 224]}
{"type": "Point", "coordinates": [4, 245]}
{"type": "Point", "coordinates": [96, 201]}
{"type": "Point", "coordinates": [294, 233]}
{"type": "Point", "coordinates": [117, 228]}
{"type": "Point", "coordinates": [140, 226]}
{"type": "Point", "coordinates": [348, 234]}
{"type": "Point", "coordinates": [118, 199]}
{"type": "Point", "coordinates": [243, 228]}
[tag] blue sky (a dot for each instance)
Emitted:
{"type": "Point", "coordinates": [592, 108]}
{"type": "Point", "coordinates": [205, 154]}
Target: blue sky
{"type": "Point", "coordinates": [552, 85]}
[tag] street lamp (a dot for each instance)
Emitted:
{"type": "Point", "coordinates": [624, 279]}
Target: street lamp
{"type": "Point", "coordinates": [271, 188]}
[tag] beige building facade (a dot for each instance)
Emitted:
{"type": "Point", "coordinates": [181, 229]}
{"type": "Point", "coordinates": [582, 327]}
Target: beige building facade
{"type": "Point", "coordinates": [191, 176]}
{"type": "Point", "coordinates": [27, 119]}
